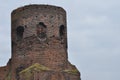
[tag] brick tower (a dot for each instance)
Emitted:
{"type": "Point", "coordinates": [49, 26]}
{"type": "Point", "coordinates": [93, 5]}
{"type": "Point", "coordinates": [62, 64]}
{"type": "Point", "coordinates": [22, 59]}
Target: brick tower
{"type": "Point", "coordinates": [39, 45]}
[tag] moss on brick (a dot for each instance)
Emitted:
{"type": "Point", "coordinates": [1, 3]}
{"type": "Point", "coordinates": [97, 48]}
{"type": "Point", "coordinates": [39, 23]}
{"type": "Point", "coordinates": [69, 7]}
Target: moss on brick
{"type": "Point", "coordinates": [74, 71]}
{"type": "Point", "coordinates": [29, 72]}
{"type": "Point", "coordinates": [35, 67]}
{"type": "Point", "coordinates": [8, 76]}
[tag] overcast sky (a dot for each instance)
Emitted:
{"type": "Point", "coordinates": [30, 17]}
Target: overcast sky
{"type": "Point", "coordinates": [93, 35]}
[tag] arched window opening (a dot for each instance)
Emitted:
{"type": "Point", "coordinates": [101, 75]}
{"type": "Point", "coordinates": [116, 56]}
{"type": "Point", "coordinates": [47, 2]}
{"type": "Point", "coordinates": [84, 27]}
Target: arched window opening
{"type": "Point", "coordinates": [42, 24]}
{"type": "Point", "coordinates": [41, 31]}
{"type": "Point", "coordinates": [19, 32]}
{"type": "Point", "coordinates": [12, 46]}
{"type": "Point", "coordinates": [66, 45]}
{"type": "Point", "coordinates": [62, 31]}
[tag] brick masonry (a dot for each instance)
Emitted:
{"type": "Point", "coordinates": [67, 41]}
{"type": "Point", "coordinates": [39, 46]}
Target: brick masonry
{"type": "Point", "coordinates": [39, 36]}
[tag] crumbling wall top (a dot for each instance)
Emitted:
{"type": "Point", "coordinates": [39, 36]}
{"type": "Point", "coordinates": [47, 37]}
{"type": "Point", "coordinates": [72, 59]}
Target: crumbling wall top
{"type": "Point", "coordinates": [51, 8]}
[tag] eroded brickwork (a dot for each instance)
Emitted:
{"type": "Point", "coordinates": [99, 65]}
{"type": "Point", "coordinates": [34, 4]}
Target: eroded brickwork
{"type": "Point", "coordinates": [39, 42]}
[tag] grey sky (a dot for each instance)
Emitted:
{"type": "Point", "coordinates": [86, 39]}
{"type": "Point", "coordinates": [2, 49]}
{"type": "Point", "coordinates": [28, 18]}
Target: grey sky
{"type": "Point", "coordinates": [93, 35]}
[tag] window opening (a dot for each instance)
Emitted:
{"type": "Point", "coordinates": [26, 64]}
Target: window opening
{"type": "Point", "coordinates": [19, 32]}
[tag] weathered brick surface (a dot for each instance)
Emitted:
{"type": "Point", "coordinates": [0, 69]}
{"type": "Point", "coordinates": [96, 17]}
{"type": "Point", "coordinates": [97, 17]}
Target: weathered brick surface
{"type": "Point", "coordinates": [39, 35]}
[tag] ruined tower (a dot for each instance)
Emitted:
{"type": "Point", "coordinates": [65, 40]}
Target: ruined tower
{"type": "Point", "coordinates": [39, 45]}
